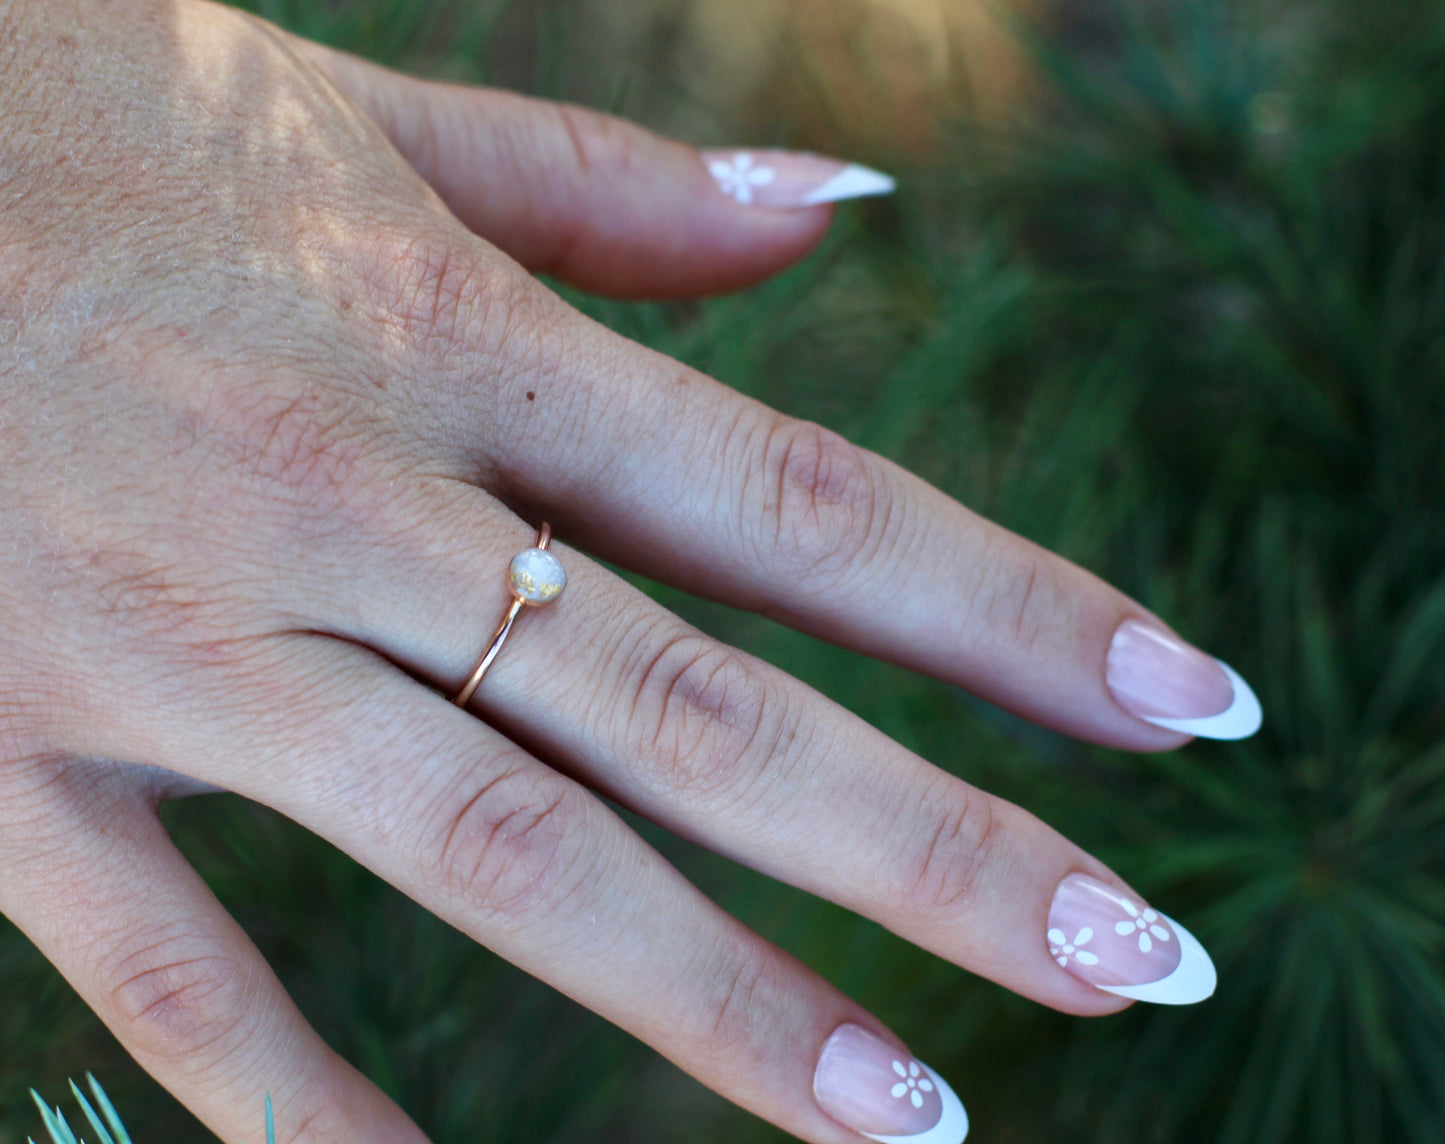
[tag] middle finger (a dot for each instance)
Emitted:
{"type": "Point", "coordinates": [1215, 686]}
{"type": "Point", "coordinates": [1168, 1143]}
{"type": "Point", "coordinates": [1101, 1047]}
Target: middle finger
{"type": "Point", "coordinates": [724, 749]}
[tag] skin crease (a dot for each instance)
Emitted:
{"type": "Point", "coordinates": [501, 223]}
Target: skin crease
{"type": "Point", "coordinates": [276, 412]}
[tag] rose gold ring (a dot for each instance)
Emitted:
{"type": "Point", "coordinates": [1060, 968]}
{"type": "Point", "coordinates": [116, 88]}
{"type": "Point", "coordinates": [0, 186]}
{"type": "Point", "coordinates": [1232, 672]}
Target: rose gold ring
{"type": "Point", "coordinates": [536, 577]}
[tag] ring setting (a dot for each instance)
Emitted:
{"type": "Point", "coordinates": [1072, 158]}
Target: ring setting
{"type": "Point", "coordinates": [536, 578]}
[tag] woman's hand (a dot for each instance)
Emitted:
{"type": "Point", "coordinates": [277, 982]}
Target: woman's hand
{"type": "Point", "coordinates": [274, 421]}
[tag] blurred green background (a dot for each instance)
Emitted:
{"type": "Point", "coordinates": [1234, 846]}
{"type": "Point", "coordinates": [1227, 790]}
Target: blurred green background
{"type": "Point", "coordinates": [1178, 312]}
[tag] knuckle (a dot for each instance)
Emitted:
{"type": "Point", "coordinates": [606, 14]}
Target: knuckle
{"type": "Point", "coordinates": [1013, 602]}
{"type": "Point", "coordinates": [950, 850]}
{"type": "Point", "coordinates": [735, 1009]}
{"type": "Point", "coordinates": [308, 448]}
{"type": "Point", "coordinates": [323, 1117]}
{"type": "Point", "coordinates": [27, 701]}
{"type": "Point", "coordinates": [598, 143]}
{"type": "Point", "coordinates": [437, 297]}
{"type": "Point", "coordinates": [177, 996]}
{"type": "Point", "coordinates": [597, 150]}
{"type": "Point", "coordinates": [705, 718]}
{"type": "Point", "coordinates": [826, 502]}
{"type": "Point", "coordinates": [320, 1108]}
{"type": "Point", "coordinates": [156, 603]}
{"type": "Point", "coordinates": [506, 847]}
{"type": "Point", "coordinates": [439, 288]}
{"type": "Point", "coordinates": [134, 589]}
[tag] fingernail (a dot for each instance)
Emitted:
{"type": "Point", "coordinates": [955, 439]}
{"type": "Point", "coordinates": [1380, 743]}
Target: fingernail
{"type": "Point", "coordinates": [1117, 943]}
{"type": "Point", "coordinates": [868, 1085]}
{"type": "Point", "coordinates": [1159, 678]}
{"type": "Point", "coordinates": [791, 180]}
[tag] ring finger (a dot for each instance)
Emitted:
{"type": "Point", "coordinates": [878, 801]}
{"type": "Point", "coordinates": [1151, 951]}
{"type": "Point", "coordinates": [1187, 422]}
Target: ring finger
{"type": "Point", "coordinates": [722, 748]}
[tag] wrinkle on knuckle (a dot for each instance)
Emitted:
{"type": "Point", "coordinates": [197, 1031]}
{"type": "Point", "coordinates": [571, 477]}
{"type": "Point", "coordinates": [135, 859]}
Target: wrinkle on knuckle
{"type": "Point", "coordinates": [503, 847]}
{"type": "Point", "coordinates": [47, 791]}
{"type": "Point", "coordinates": [319, 1112]}
{"type": "Point", "coordinates": [310, 449]}
{"type": "Point", "coordinates": [132, 587]}
{"type": "Point", "coordinates": [439, 283]}
{"type": "Point", "coordinates": [1014, 602]}
{"type": "Point", "coordinates": [438, 299]}
{"type": "Point", "coordinates": [27, 705]}
{"type": "Point", "coordinates": [599, 152]}
{"type": "Point", "coordinates": [705, 719]}
{"type": "Point", "coordinates": [568, 232]}
{"type": "Point", "coordinates": [600, 146]}
{"type": "Point", "coordinates": [1025, 632]}
{"type": "Point", "coordinates": [38, 800]}
{"type": "Point", "coordinates": [947, 858]}
{"type": "Point", "coordinates": [733, 1011]}
{"type": "Point", "coordinates": [160, 606]}
{"type": "Point", "coordinates": [827, 506]}
{"type": "Point", "coordinates": [178, 997]}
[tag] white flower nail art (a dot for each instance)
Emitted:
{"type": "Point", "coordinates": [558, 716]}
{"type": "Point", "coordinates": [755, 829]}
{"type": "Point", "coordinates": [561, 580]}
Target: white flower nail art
{"type": "Point", "coordinates": [913, 1085]}
{"type": "Point", "coordinates": [739, 177]}
{"type": "Point", "coordinates": [1143, 924]}
{"type": "Point", "coordinates": [1062, 949]}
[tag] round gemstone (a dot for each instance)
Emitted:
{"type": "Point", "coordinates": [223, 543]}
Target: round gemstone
{"type": "Point", "coordinates": [536, 576]}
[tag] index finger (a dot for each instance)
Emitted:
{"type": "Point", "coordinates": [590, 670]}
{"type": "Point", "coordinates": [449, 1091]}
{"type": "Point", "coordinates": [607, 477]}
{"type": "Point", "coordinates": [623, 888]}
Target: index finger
{"type": "Point", "coordinates": [669, 473]}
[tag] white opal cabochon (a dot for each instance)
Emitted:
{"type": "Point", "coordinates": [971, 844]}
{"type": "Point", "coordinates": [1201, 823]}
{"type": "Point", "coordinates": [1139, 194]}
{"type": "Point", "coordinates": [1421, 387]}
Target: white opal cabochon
{"type": "Point", "coordinates": [536, 576]}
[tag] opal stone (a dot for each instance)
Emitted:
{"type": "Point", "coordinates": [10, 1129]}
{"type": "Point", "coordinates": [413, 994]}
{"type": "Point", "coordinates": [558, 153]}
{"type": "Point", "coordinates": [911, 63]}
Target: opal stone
{"type": "Point", "coordinates": [536, 576]}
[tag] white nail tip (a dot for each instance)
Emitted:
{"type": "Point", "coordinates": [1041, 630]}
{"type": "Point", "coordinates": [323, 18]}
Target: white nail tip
{"type": "Point", "coordinates": [951, 1128]}
{"type": "Point", "coordinates": [852, 182]}
{"type": "Point", "coordinates": [1243, 718]}
{"type": "Point", "coordinates": [1193, 979]}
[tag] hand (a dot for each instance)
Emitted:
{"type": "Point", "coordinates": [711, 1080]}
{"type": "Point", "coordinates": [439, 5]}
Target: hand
{"type": "Point", "coordinates": [274, 416]}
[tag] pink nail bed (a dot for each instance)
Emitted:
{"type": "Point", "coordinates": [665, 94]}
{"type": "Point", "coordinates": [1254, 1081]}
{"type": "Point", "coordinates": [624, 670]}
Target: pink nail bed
{"type": "Point", "coordinates": [1157, 677]}
{"type": "Point", "coordinates": [882, 1092]}
{"type": "Point", "coordinates": [791, 180]}
{"type": "Point", "coordinates": [1118, 943]}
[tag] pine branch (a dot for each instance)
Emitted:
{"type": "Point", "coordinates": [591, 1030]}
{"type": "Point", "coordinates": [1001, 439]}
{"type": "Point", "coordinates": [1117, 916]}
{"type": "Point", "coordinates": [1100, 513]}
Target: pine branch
{"type": "Point", "coordinates": [106, 1121]}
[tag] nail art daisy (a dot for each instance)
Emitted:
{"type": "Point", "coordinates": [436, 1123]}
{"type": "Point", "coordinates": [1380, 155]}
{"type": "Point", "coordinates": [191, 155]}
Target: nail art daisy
{"type": "Point", "coordinates": [739, 177]}
{"type": "Point", "coordinates": [913, 1085]}
{"type": "Point", "coordinates": [1143, 924]}
{"type": "Point", "coordinates": [1063, 949]}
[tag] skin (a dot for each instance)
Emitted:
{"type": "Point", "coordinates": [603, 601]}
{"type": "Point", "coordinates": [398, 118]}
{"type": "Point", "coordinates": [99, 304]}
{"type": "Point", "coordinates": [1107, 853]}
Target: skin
{"type": "Point", "coordinates": [279, 399]}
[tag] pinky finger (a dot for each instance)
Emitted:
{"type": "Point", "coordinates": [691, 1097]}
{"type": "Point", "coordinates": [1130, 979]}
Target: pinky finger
{"type": "Point", "coordinates": [121, 913]}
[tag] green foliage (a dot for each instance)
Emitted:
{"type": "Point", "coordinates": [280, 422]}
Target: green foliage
{"type": "Point", "coordinates": [106, 1122]}
{"type": "Point", "coordinates": [1186, 325]}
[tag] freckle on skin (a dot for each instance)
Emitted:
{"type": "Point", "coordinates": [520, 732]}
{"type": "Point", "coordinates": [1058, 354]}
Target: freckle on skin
{"type": "Point", "coordinates": [531, 396]}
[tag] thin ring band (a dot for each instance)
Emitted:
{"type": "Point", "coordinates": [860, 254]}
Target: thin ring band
{"type": "Point", "coordinates": [504, 629]}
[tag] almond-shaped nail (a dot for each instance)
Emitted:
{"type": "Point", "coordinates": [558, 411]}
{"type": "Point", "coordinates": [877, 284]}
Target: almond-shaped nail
{"type": "Point", "coordinates": [791, 180]}
{"type": "Point", "coordinates": [883, 1093]}
{"type": "Point", "coordinates": [1157, 677]}
{"type": "Point", "coordinates": [1120, 944]}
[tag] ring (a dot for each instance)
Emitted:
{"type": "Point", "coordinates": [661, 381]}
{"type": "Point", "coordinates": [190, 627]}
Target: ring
{"type": "Point", "coordinates": [536, 577]}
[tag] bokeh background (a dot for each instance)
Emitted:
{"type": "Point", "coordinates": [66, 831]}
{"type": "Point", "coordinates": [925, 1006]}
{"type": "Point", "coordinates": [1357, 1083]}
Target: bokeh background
{"type": "Point", "coordinates": [1164, 290]}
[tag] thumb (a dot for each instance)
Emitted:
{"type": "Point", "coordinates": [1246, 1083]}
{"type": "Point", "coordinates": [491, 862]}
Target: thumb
{"type": "Point", "coordinates": [595, 200]}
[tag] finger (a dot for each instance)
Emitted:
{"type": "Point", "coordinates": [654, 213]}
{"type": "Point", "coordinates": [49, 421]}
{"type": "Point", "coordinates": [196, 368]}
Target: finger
{"type": "Point", "coordinates": [595, 200]}
{"type": "Point", "coordinates": [541, 871]}
{"type": "Point", "coordinates": [724, 749]}
{"type": "Point", "coordinates": [685, 480]}
{"type": "Point", "coordinates": [92, 878]}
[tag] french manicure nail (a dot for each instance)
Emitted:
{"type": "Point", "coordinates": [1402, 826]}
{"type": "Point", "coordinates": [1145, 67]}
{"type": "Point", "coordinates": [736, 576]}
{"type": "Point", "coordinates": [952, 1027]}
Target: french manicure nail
{"type": "Point", "coordinates": [791, 180]}
{"type": "Point", "coordinates": [1121, 945]}
{"type": "Point", "coordinates": [1157, 677]}
{"type": "Point", "coordinates": [865, 1083]}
